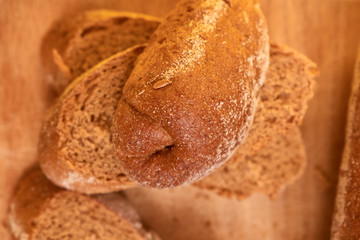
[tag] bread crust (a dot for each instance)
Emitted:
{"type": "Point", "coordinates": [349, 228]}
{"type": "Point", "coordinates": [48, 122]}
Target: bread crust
{"type": "Point", "coordinates": [61, 167]}
{"type": "Point", "coordinates": [203, 96]}
{"type": "Point", "coordinates": [35, 192]}
{"type": "Point", "coordinates": [346, 222]}
{"type": "Point", "coordinates": [64, 48]}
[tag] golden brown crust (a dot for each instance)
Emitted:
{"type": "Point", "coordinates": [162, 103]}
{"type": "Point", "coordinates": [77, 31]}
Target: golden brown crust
{"type": "Point", "coordinates": [201, 94]}
{"type": "Point", "coordinates": [346, 222]}
{"type": "Point", "coordinates": [68, 48]}
{"type": "Point", "coordinates": [36, 199]}
{"type": "Point", "coordinates": [75, 149]}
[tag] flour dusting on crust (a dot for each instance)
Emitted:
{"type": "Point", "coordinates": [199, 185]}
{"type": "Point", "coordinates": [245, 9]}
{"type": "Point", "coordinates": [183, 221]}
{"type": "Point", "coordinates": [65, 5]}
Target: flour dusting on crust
{"type": "Point", "coordinates": [188, 57]}
{"type": "Point", "coordinates": [73, 178]}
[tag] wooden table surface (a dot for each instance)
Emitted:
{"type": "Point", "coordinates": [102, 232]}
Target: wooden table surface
{"type": "Point", "coordinates": [328, 31]}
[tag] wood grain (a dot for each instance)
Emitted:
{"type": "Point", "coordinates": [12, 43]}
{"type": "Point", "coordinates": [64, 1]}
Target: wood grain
{"type": "Point", "coordinates": [327, 31]}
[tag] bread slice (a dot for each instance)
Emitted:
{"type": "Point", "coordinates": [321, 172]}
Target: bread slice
{"type": "Point", "coordinates": [75, 148]}
{"type": "Point", "coordinates": [266, 171]}
{"type": "Point", "coordinates": [346, 222]}
{"type": "Point", "coordinates": [283, 100]}
{"type": "Point", "coordinates": [39, 211]}
{"type": "Point", "coordinates": [75, 44]}
{"type": "Point", "coordinates": [282, 105]}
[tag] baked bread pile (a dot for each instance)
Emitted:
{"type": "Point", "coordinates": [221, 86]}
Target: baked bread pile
{"type": "Point", "coordinates": [198, 98]}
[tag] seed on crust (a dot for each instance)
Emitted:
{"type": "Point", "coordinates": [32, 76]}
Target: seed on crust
{"type": "Point", "coordinates": [161, 84]}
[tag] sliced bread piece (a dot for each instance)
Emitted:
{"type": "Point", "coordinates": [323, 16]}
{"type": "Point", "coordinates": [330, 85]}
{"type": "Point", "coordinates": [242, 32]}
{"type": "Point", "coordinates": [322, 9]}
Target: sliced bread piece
{"type": "Point", "coordinates": [267, 171]}
{"type": "Point", "coordinates": [282, 105]}
{"type": "Point", "coordinates": [39, 210]}
{"type": "Point", "coordinates": [346, 221]}
{"type": "Point", "coordinates": [75, 148]}
{"type": "Point", "coordinates": [77, 43]}
{"type": "Point", "coordinates": [284, 98]}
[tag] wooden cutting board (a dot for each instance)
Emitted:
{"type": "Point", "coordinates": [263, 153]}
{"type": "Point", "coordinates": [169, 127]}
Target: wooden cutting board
{"type": "Point", "coordinates": [328, 31]}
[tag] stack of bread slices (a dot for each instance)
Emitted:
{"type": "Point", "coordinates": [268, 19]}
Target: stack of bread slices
{"type": "Point", "coordinates": [198, 98]}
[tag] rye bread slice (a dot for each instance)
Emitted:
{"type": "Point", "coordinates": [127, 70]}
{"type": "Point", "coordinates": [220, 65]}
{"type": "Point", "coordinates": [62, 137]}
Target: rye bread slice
{"type": "Point", "coordinates": [346, 222]}
{"type": "Point", "coordinates": [75, 148]}
{"type": "Point", "coordinates": [282, 105]}
{"type": "Point", "coordinates": [283, 100]}
{"type": "Point", "coordinates": [266, 171]}
{"type": "Point", "coordinates": [75, 44]}
{"type": "Point", "coordinates": [39, 211]}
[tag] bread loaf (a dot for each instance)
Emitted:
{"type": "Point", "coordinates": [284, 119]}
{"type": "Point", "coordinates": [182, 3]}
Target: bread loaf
{"type": "Point", "coordinates": [190, 100]}
{"type": "Point", "coordinates": [346, 222]}
{"type": "Point", "coordinates": [75, 44]}
{"type": "Point", "coordinates": [75, 148]}
{"type": "Point", "coordinates": [40, 210]}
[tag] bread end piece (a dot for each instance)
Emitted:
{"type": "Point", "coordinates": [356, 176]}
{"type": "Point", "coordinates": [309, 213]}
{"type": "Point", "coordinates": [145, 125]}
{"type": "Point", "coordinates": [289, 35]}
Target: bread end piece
{"type": "Point", "coordinates": [283, 100]}
{"type": "Point", "coordinates": [346, 222]}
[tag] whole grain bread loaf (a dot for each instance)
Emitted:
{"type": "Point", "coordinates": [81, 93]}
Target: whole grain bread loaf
{"type": "Point", "coordinates": [274, 166]}
{"type": "Point", "coordinates": [74, 44]}
{"type": "Point", "coordinates": [190, 100]}
{"type": "Point", "coordinates": [75, 148]}
{"type": "Point", "coordinates": [346, 222]}
{"type": "Point", "coordinates": [40, 211]}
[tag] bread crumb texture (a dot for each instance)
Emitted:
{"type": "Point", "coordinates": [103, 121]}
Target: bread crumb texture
{"type": "Point", "coordinates": [283, 100]}
{"type": "Point", "coordinates": [268, 160]}
{"type": "Point", "coordinates": [76, 150]}
{"type": "Point", "coordinates": [83, 40]}
{"type": "Point", "coordinates": [267, 171]}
